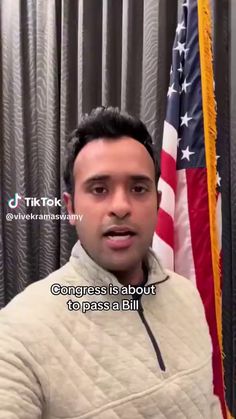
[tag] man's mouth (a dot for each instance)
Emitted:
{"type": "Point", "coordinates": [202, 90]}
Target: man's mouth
{"type": "Point", "coordinates": [119, 240]}
{"type": "Point", "coordinates": [119, 236]}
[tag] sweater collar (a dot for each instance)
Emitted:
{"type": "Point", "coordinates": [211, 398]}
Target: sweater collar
{"type": "Point", "coordinates": [98, 276]}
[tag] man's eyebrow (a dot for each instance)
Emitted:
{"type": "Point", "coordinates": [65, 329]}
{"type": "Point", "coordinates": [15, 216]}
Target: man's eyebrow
{"type": "Point", "coordinates": [141, 178]}
{"type": "Point", "coordinates": [138, 177]}
{"type": "Point", "coordinates": [96, 178]}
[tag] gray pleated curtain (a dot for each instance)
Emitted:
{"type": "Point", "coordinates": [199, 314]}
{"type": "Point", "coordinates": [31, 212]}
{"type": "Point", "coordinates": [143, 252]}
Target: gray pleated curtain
{"type": "Point", "coordinates": [59, 59]}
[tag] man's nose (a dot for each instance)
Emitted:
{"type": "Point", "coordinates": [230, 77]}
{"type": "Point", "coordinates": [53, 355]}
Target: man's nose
{"type": "Point", "coordinates": [120, 205]}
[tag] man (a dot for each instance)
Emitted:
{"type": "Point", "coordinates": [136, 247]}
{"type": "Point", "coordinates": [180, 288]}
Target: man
{"type": "Point", "coordinates": [110, 334]}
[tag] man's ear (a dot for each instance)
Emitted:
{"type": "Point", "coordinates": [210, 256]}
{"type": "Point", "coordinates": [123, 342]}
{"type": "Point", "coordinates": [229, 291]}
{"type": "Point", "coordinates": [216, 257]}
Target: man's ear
{"type": "Point", "coordinates": [69, 206]}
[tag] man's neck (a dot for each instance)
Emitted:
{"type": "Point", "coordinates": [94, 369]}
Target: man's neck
{"type": "Point", "coordinates": [135, 278]}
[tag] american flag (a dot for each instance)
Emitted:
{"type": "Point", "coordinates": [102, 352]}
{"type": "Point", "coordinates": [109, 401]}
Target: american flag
{"type": "Point", "coordinates": [182, 239]}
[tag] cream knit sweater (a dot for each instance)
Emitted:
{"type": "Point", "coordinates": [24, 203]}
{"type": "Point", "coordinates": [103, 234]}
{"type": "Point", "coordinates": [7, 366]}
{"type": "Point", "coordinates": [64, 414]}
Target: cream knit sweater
{"type": "Point", "coordinates": [150, 363]}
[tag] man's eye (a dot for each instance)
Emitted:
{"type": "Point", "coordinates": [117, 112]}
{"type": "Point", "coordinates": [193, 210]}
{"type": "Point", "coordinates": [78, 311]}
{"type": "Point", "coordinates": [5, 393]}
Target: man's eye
{"type": "Point", "coordinates": [99, 190]}
{"type": "Point", "coordinates": [140, 189]}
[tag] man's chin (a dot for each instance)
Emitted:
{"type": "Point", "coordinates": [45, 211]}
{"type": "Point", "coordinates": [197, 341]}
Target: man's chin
{"type": "Point", "coordinates": [120, 263]}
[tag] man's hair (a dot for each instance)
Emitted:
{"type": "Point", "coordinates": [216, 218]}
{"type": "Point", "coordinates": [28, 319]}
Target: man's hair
{"type": "Point", "coordinates": [108, 123]}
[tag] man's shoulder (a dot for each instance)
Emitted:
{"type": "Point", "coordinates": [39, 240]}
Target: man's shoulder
{"type": "Point", "coordinates": [180, 282]}
{"type": "Point", "coordinates": [36, 314]}
{"type": "Point", "coordinates": [179, 290]}
{"type": "Point", "coordinates": [36, 301]}
{"type": "Point", "coordinates": [40, 288]}
{"type": "Point", "coordinates": [172, 281]}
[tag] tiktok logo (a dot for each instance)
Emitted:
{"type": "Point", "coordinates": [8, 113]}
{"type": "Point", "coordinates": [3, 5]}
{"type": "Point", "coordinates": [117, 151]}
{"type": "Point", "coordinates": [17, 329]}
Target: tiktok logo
{"type": "Point", "coordinates": [13, 202]}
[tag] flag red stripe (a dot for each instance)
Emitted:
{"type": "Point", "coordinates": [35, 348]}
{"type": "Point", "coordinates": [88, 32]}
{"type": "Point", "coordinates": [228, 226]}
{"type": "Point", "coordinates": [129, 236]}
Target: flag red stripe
{"type": "Point", "coordinates": [168, 169]}
{"type": "Point", "coordinates": [199, 219]}
{"type": "Point", "coordinates": [165, 227]}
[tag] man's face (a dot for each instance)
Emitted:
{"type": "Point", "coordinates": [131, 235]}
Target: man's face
{"type": "Point", "coordinates": [115, 192]}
